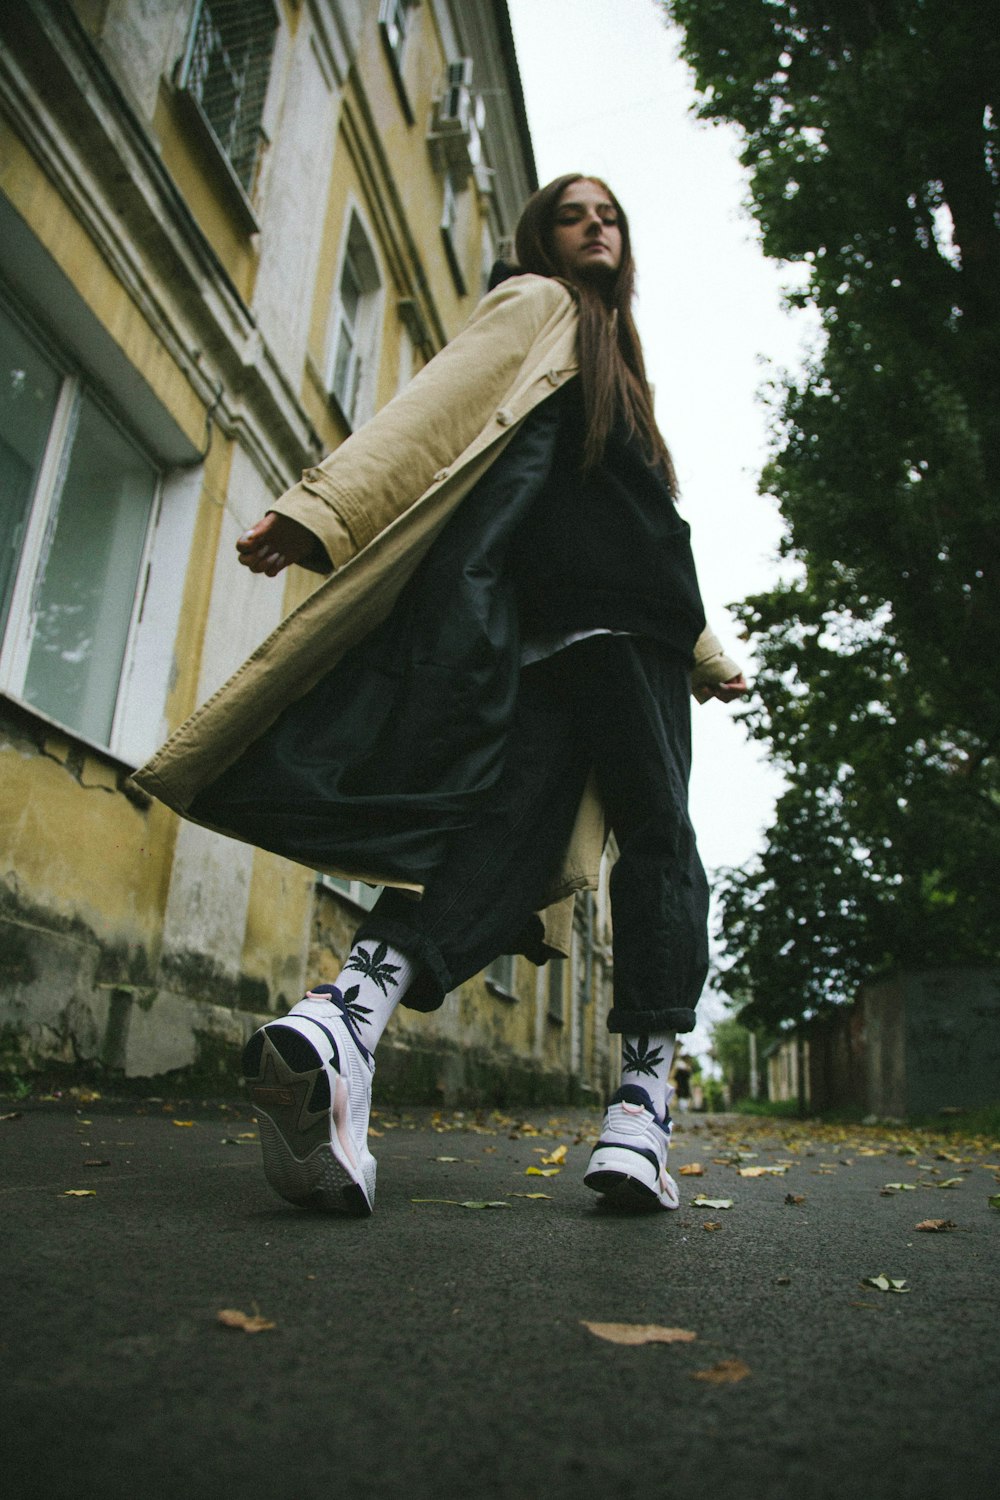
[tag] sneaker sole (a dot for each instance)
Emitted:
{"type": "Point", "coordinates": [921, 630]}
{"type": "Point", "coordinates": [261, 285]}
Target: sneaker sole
{"type": "Point", "coordinates": [627, 1180]}
{"type": "Point", "coordinates": [305, 1160]}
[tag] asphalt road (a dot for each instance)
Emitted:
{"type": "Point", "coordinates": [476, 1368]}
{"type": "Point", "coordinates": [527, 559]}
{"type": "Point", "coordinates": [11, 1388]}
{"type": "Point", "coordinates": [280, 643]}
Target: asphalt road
{"type": "Point", "coordinates": [441, 1351]}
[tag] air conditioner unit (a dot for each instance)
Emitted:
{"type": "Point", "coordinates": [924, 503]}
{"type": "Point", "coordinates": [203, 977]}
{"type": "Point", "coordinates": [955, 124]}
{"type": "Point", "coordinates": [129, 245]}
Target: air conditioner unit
{"type": "Point", "coordinates": [457, 120]}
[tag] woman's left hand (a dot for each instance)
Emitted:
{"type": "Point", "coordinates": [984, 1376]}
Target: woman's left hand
{"type": "Point", "coordinates": [726, 692]}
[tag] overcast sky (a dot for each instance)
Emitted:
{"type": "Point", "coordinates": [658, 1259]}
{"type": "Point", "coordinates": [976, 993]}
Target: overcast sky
{"type": "Point", "coordinates": [606, 93]}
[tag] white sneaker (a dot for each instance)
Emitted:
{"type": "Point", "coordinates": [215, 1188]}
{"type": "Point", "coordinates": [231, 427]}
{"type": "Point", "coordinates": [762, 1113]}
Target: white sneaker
{"type": "Point", "coordinates": [629, 1163]}
{"type": "Point", "coordinates": [309, 1077]}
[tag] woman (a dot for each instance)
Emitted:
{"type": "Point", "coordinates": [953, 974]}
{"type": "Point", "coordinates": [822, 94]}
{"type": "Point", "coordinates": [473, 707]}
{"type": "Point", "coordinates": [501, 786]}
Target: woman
{"type": "Point", "coordinates": [477, 694]}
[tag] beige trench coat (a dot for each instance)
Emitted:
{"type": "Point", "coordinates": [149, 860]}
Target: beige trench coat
{"type": "Point", "coordinates": [376, 504]}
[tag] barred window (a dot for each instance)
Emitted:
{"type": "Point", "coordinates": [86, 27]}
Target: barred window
{"type": "Point", "coordinates": [226, 69]}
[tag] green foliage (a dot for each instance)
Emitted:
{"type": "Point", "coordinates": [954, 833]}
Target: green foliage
{"type": "Point", "coordinates": [731, 1050]}
{"type": "Point", "coordinates": [872, 138]}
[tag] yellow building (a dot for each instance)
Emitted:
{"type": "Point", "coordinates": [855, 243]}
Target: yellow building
{"type": "Point", "coordinates": [229, 231]}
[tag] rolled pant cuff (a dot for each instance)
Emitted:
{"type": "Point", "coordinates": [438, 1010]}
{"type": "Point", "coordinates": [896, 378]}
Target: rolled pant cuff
{"type": "Point", "coordinates": [642, 1022]}
{"type": "Point", "coordinates": [431, 980]}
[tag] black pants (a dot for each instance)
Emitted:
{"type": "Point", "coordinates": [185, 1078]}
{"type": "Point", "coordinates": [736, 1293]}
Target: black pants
{"type": "Point", "coordinates": [619, 704]}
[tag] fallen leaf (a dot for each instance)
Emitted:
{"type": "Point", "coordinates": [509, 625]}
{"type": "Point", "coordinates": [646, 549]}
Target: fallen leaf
{"type": "Point", "coordinates": [541, 1171]}
{"type": "Point", "coordinates": [711, 1224]}
{"type": "Point", "coordinates": [639, 1333]}
{"type": "Point", "coordinates": [702, 1202]}
{"type": "Point", "coordinates": [795, 1197]}
{"type": "Point", "coordinates": [691, 1169]}
{"type": "Point", "coordinates": [532, 1195]}
{"type": "Point", "coordinates": [80, 1193]}
{"type": "Point", "coordinates": [937, 1224]}
{"type": "Point", "coordinates": [15, 1114]}
{"type": "Point", "coordinates": [186, 1124]}
{"type": "Point", "coordinates": [231, 1317]}
{"type": "Point", "coordinates": [883, 1283]}
{"type": "Point", "coordinates": [466, 1202]}
{"type": "Point", "coordinates": [994, 1202]}
{"type": "Point", "coordinates": [447, 1158]}
{"type": "Point", "coordinates": [726, 1372]}
{"type": "Point", "coordinates": [556, 1157]}
{"type": "Point", "coordinates": [951, 1182]}
{"type": "Point", "coordinates": [782, 1281]}
{"type": "Point", "coordinates": [900, 1187]}
{"type": "Point", "coordinates": [762, 1171]}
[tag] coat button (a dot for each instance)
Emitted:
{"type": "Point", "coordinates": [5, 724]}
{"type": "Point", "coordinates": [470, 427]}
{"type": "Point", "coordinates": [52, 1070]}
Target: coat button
{"type": "Point", "coordinates": [440, 476]}
{"type": "Point", "coordinates": [505, 416]}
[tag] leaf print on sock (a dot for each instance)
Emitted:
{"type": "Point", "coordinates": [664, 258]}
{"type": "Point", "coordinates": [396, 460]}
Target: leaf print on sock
{"type": "Point", "coordinates": [641, 1058]}
{"type": "Point", "coordinates": [359, 1014]}
{"type": "Point", "coordinates": [374, 967]}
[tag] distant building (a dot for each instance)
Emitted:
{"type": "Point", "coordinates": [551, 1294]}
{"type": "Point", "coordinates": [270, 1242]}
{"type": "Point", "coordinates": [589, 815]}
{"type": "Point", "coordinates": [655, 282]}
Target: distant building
{"type": "Point", "coordinates": [918, 1043]}
{"type": "Point", "coordinates": [230, 230]}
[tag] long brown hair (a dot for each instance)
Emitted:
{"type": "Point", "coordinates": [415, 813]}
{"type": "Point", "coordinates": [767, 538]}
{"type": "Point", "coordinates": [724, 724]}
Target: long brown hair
{"type": "Point", "coordinates": [612, 369]}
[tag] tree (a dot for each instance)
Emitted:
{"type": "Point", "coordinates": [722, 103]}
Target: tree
{"type": "Point", "coordinates": [731, 1050]}
{"type": "Point", "coordinates": [871, 131]}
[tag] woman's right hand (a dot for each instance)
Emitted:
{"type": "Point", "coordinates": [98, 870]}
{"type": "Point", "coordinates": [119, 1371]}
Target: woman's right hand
{"type": "Point", "coordinates": [274, 543]}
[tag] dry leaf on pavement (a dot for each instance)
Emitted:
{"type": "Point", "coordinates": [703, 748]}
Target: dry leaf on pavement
{"type": "Point", "coordinates": [702, 1202]}
{"type": "Point", "coordinates": [726, 1372]}
{"type": "Point", "coordinates": [691, 1169]}
{"type": "Point", "coordinates": [80, 1193]}
{"type": "Point", "coordinates": [711, 1224]}
{"type": "Point", "coordinates": [795, 1197]}
{"type": "Point", "coordinates": [639, 1333]}
{"type": "Point", "coordinates": [556, 1157]}
{"type": "Point", "coordinates": [541, 1171]}
{"type": "Point", "coordinates": [465, 1202]}
{"type": "Point", "coordinates": [937, 1224]}
{"type": "Point", "coordinates": [231, 1317]}
{"type": "Point", "coordinates": [185, 1124]}
{"type": "Point", "coordinates": [883, 1283]}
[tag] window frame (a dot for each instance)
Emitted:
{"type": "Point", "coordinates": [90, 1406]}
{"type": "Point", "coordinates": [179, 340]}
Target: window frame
{"type": "Point", "coordinates": [451, 225]}
{"type": "Point", "coordinates": [357, 253]}
{"type": "Point", "coordinates": [398, 15]}
{"type": "Point", "coordinates": [358, 891]}
{"type": "Point", "coordinates": [18, 634]}
{"type": "Point", "coordinates": [501, 976]}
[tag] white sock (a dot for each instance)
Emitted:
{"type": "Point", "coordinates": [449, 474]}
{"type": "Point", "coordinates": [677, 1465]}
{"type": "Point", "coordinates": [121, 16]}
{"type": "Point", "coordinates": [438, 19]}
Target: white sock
{"type": "Point", "coordinates": [372, 982]}
{"type": "Point", "coordinates": [646, 1062]}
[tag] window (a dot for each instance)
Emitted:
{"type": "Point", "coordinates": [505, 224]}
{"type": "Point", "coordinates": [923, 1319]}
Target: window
{"type": "Point", "coordinates": [225, 72]}
{"type": "Point", "coordinates": [394, 19]}
{"type": "Point", "coordinates": [453, 225]}
{"type": "Point", "coordinates": [76, 501]}
{"type": "Point", "coordinates": [487, 257]}
{"type": "Point", "coordinates": [351, 364]}
{"type": "Point", "coordinates": [355, 890]}
{"type": "Point", "coordinates": [555, 990]}
{"type": "Point", "coordinates": [500, 973]}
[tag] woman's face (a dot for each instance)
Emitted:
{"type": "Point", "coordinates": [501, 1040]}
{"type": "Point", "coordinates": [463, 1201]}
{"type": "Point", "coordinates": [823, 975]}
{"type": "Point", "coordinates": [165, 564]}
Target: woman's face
{"type": "Point", "coordinates": [586, 236]}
